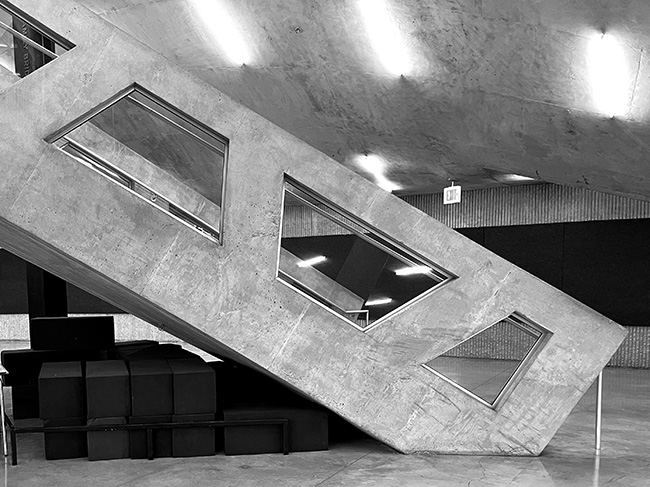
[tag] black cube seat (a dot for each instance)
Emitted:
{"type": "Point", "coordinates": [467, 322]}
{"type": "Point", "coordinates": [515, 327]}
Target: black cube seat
{"type": "Point", "coordinates": [107, 445]}
{"type": "Point", "coordinates": [151, 388]}
{"type": "Point", "coordinates": [24, 365]}
{"type": "Point", "coordinates": [108, 392]}
{"type": "Point", "coordinates": [193, 442]}
{"type": "Point", "coordinates": [59, 446]}
{"type": "Point", "coordinates": [72, 333]}
{"type": "Point", "coordinates": [162, 438]}
{"type": "Point", "coordinates": [308, 430]}
{"type": "Point", "coordinates": [24, 400]}
{"type": "Point", "coordinates": [61, 390]}
{"type": "Point", "coordinates": [194, 386]}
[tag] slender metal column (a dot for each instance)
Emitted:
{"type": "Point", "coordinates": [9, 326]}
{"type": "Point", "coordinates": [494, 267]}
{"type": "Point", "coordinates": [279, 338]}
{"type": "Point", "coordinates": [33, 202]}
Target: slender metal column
{"type": "Point", "coordinates": [599, 409]}
{"type": "Point", "coordinates": [3, 371]}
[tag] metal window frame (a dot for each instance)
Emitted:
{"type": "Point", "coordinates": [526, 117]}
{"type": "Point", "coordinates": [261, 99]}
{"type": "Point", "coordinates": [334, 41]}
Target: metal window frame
{"type": "Point", "coordinates": [515, 318]}
{"type": "Point", "coordinates": [403, 254]}
{"type": "Point", "coordinates": [190, 126]}
{"type": "Point", "coordinates": [36, 25]}
{"type": "Point", "coordinates": [113, 173]}
{"type": "Point", "coordinates": [194, 128]}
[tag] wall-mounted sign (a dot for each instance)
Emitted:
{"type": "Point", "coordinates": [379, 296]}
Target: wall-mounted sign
{"type": "Point", "coordinates": [451, 195]}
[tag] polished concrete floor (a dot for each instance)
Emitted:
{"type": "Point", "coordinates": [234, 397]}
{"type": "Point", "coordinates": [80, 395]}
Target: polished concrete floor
{"type": "Point", "coordinates": [569, 460]}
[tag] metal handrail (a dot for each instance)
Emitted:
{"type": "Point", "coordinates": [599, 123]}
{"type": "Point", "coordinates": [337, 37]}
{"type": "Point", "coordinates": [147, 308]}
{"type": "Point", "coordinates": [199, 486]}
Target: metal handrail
{"type": "Point", "coordinates": [111, 171]}
{"type": "Point", "coordinates": [149, 428]}
{"type": "Point", "coordinates": [29, 41]}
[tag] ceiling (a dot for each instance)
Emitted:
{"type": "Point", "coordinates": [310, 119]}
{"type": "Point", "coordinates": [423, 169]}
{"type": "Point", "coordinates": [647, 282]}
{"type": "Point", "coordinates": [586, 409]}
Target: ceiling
{"type": "Point", "coordinates": [494, 87]}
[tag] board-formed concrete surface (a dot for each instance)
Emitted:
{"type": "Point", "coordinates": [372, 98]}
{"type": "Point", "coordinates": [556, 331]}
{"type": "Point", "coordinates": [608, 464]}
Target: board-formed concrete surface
{"type": "Point", "coordinates": [7, 78]}
{"type": "Point", "coordinates": [227, 300]}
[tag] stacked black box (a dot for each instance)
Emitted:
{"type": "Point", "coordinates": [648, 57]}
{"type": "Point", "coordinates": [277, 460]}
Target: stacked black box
{"type": "Point", "coordinates": [60, 339]}
{"type": "Point", "coordinates": [108, 400]}
{"type": "Point", "coordinates": [308, 430]}
{"type": "Point", "coordinates": [61, 403]}
{"type": "Point", "coordinates": [194, 400]}
{"type": "Point", "coordinates": [248, 394]}
{"type": "Point", "coordinates": [194, 386]}
{"type": "Point", "coordinates": [151, 402]}
{"type": "Point", "coordinates": [23, 367]}
{"type": "Point", "coordinates": [162, 439]}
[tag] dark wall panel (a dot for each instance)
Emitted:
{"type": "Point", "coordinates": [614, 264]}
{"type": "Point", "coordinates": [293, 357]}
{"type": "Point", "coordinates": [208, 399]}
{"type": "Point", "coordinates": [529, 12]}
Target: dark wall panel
{"type": "Point", "coordinates": [475, 234]}
{"type": "Point", "coordinates": [13, 290]}
{"type": "Point", "coordinates": [535, 248]}
{"type": "Point", "coordinates": [13, 284]}
{"type": "Point", "coordinates": [79, 301]}
{"type": "Point", "coordinates": [607, 267]}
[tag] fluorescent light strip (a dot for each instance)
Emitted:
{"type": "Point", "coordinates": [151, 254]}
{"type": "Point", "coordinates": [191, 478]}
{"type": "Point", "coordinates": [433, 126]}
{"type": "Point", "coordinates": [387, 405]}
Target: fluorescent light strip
{"type": "Point", "coordinates": [313, 261]}
{"type": "Point", "coordinates": [223, 29]}
{"type": "Point", "coordinates": [610, 79]}
{"type": "Point", "coordinates": [385, 36]}
{"type": "Point", "coordinates": [409, 271]}
{"type": "Point", "coordinates": [378, 302]}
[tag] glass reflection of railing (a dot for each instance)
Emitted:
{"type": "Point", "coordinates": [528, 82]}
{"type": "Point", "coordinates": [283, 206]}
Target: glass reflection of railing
{"type": "Point", "coordinates": [340, 262]}
{"type": "Point", "coordinates": [25, 44]}
{"type": "Point", "coordinates": [112, 172]}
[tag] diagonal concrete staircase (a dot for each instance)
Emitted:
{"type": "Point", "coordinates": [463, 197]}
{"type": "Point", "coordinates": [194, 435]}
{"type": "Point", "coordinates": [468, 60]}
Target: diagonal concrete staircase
{"type": "Point", "coordinates": [226, 299]}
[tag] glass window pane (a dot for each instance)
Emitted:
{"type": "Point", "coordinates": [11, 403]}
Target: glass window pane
{"type": "Point", "coordinates": [19, 55]}
{"type": "Point", "coordinates": [344, 265]}
{"type": "Point", "coordinates": [176, 151]}
{"type": "Point", "coordinates": [162, 155]}
{"type": "Point", "coordinates": [485, 364]}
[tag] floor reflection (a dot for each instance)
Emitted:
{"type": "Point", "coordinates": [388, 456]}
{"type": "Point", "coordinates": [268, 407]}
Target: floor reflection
{"type": "Point", "coordinates": [569, 459]}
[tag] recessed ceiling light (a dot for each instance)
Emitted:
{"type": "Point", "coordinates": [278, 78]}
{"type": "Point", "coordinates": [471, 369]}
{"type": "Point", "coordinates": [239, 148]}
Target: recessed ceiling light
{"type": "Point", "coordinates": [379, 301]}
{"type": "Point", "coordinates": [387, 185]}
{"type": "Point", "coordinates": [371, 163]}
{"type": "Point", "coordinates": [385, 36]}
{"type": "Point", "coordinates": [375, 165]}
{"type": "Point", "coordinates": [409, 271]}
{"type": "Point", "coordinates": [610, 77]}
{"type": "Point", "coordinates": [313, 261]}
{"type": "Point", "coordinates": [223, 28]}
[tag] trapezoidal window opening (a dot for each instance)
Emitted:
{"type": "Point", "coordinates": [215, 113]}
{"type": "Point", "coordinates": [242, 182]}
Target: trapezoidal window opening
{"type": "Point", "coordinates": [157, 152]}
{"type": "Point", "coordinates": [488, 365]}
{"type": "Point", "coordinates": [25, 44]}
{"type": "Point", "coordinates": [345, 265]}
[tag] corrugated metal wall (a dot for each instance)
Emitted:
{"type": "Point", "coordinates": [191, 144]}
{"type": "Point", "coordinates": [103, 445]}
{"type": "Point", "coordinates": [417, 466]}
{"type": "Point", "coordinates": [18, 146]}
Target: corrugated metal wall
{"type": "Point", "coordinates": [528, 205]}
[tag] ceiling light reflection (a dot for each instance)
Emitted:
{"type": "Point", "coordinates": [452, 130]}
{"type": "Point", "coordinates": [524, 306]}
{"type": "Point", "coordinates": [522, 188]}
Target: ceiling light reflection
{"type": "Point", "coordinates": [609, 75]}
{"type": "Point", "coordinates": [371, 163]}
{"type": "Point", "coordinates": [385, 184]}
{"type": "Point", "coordinates": [223, 28]}
{"type": "Point", "coordinates": [378, 302]}
{"type": "Point", "coordinates": [385, 36]}
{"type": "Point", "coordinates": [313, 261]}
{"type": "Point", "coordinates": [409, 271]}
{"type": "Point", "coordinates": [515, 178]}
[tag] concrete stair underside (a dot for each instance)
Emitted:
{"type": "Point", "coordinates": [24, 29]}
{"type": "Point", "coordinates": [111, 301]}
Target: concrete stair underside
{"type": "Point", "coordinates": [226, 299]}
{"type": "Point", "coordinates": [7, 78]}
